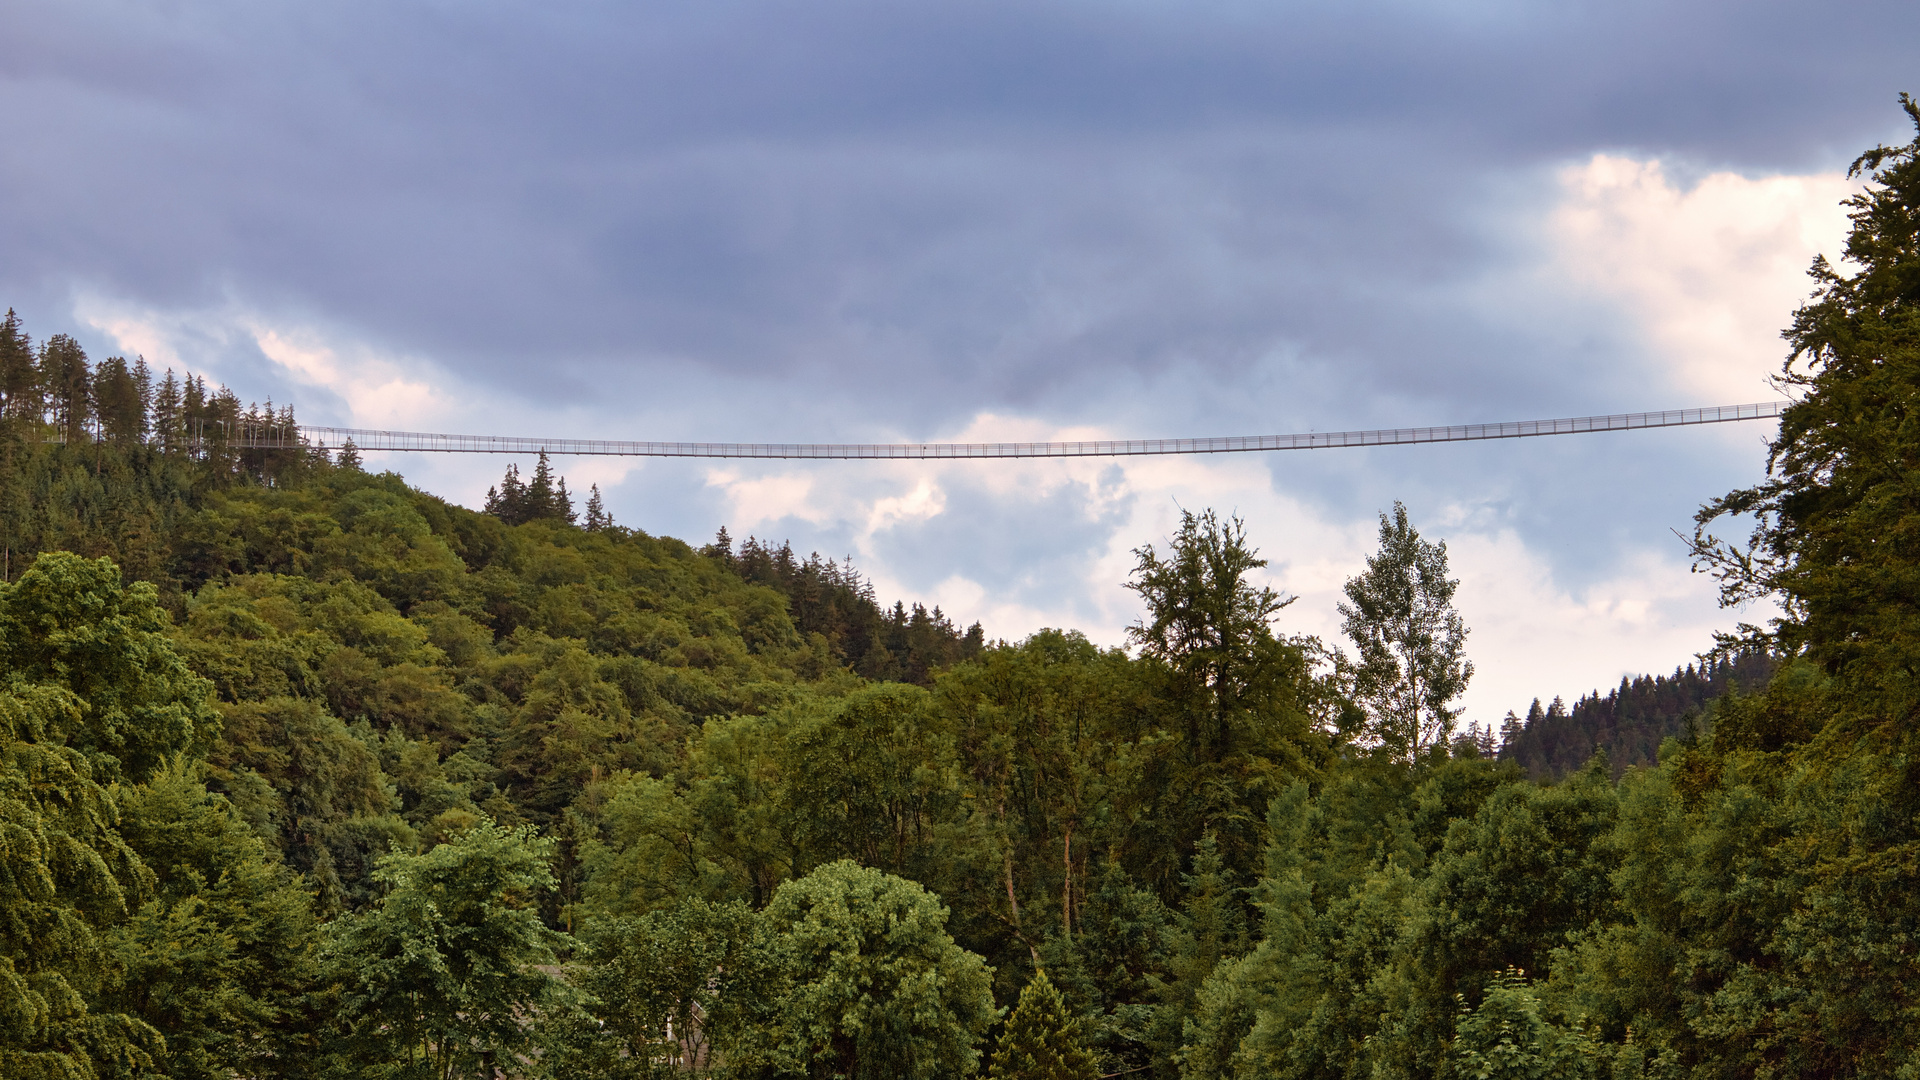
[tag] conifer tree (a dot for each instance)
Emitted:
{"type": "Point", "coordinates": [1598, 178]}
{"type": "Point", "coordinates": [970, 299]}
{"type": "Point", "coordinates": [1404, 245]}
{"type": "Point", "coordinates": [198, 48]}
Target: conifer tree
{"type": "Point", "coordinates": [1837, 522]}
{"type": "Point", "coordinates": [1041, 1041]}
{"type": "Point", "coordinates": [540, 493]}
{"type": "Point", "coordinates": [349, 456]}
{"type": "Point", "coordinates": [69, 382]}
{"type": "Point", "coordinates": [143, 391]}
{"type": "Point", "coordinates": [19, 383]}
{"type": "Point", "coordinates": [508, 501]}
{"type": "Point", "coordinates": [117, 402]}
{"type": "Point", "coordinates": [167, 406]}
{"type": "Point", "coordinates": [193, 414]}
{"type": "Point", "coordinates": [597, 516]}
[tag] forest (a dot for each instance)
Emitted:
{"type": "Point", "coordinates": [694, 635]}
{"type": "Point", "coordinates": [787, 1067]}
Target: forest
{"type": "Point", "coordinates": [309, 773]}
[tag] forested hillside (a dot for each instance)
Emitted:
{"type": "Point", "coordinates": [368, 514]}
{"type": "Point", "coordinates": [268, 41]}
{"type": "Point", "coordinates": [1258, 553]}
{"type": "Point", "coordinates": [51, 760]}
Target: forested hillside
{"type": "Point", "coordinates": [1632, 722]}
{"type": "Point", "coordinates": [309, 773]}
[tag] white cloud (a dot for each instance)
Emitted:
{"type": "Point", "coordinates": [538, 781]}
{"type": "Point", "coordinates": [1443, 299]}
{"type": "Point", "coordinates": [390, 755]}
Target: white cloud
{"type": "Point", "coordinates": [1708, 273]}
{"type": "Point", "coordinates": [1530, 634]}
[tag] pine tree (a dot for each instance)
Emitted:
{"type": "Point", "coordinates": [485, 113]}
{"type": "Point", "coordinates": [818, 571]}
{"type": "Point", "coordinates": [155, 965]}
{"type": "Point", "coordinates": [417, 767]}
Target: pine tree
{"type": "Point", "coordinates": [143, 389]}
{"type": "Point", "coordinates": [1041, 1042]}
{"type": "Point", "coordinates": [20, 397]}
{"type": "Point", "coordinates": [193, 414]}
{"type": "Point", "coordinates": [69, 381]}
{"type": "Point", "coordinates": [561, 509]}
{"type": "Point", "coordinates": [349, 456]}
{"type": "Point", "coordinates": [597, 516]}
{"type": "Point", "coordinates": [1835, 538]}
{"type": "Point", "coordinates": [508, 501]}
{"type": "Point", "coordinates": [167, 414]}
{"type": "Point", "coordinates": [117, 404]}
{"type": "Point", "coordinates": [540, 491]}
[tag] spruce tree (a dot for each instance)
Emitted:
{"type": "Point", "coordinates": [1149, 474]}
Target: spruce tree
{"type": "Point", "coordinates": [65, 373]}
{"type": "Point", "coordinates": [1837, 522]}
{"type": "Point", "coordinates": [540, 493]}
{"type": "Point", "coordinates": [1042, 1042]}
{"type": "Point", "coordinates": [508, 501]}
{"type": "Point", "coordinates": [19, 383]}
{"type": "Point", "coordinates": [597, 516]}
{"type": "Point", "coordinates": [167, 406]}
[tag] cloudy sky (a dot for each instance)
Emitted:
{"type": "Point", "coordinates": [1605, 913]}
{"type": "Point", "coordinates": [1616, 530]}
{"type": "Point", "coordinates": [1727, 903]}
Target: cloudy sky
{"type": "Point", "coordinates": [851, 220]}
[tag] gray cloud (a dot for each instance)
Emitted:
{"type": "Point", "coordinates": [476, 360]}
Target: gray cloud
{"type": "Point", "coordinates": [854, 220]}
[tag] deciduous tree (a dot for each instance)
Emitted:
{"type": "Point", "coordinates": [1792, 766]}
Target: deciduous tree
{"type": "Point", "coordinates": [1409, 641]}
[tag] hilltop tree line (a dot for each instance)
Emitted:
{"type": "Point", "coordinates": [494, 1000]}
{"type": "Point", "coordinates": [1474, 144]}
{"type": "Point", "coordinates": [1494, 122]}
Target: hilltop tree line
{"type": "Point", "coordinates": [346, 781]}
{"type": "Point", "coordinates": [833, 600]}
{"type": "Point", "coordinates": [53, 390]}
{"type": "Point", "coordinates": [1632, 721]}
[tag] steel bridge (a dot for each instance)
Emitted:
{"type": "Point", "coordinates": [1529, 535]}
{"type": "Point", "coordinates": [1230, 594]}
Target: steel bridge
{"type": "Point", "coordinates": [277, 436]}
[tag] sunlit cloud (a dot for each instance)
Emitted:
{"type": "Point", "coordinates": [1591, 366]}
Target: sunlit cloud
{"type": "Point", "coordinates": [1709, 271]}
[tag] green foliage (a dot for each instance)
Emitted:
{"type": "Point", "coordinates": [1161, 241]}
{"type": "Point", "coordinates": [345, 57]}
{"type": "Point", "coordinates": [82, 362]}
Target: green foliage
{"type": "Point", "coordinates": [449, 975]}
{"type": "Point", "coordinates": [1506, 1038]}
{"type": "Point", "coordinates": [670, 992]}
{"type": "Point", "coordinates": [1245, 700]}
{"type": "Point", "coordinates": [1041, 1041]}
{"type": "Point", "coordinates": [68, 622]}
{"type": "Point", "coordinates": [330, 696]}
{"type": "Point", "coordinates": [69, 879]}
{"type": "Point", "coordinates": [877, 987]}
{"type": "Point", "coordinates": [1408, 640]}
{"type": "Point", "coordinates": [220, 956]}
{"type": "Point", "coordinates": [1837, 522]}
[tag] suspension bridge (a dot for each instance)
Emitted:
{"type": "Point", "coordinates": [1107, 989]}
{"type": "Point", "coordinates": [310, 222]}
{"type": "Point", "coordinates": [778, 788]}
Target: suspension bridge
{"type": "Point", "coordinates": [276, 436]}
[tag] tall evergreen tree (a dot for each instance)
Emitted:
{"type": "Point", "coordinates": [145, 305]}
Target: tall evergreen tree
{"type": "Point", "coordinates": [20, 396]}
{"type": "Point", "coordinates": [508, 501]}
{"type": "Point", "coordinates": [1837, 534]}
{"type": "Point", "coordinates": [68, 379]}
{"type": "Point", "coordinates": [193, 414]}
{"type": "Point", "coordinates": [168, 415]}
{"type": "Point", "coordinates": [540, 493]}
{"type": "Point", "coordinates": [1042, 1040]}
{"type": "Point", "coordinates": [117, 401]}
{"type": "Point", "coordinates": [597, 516]}
{"type": "Point", "coordinates": [143, 389]}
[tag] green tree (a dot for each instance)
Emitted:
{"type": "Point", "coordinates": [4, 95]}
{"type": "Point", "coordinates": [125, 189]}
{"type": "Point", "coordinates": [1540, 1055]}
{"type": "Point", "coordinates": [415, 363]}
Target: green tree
{"type": "Point", "coordinates": [69, 622]}
{"type": "Point", "coordinates": [1240, 700]}
{"type": "Point", "coordinates": [597, 516]}
{"type": "Point", "coordinates": [1207, 621]}
{"type": "Point", "coordinates": [669, 992]}
{"type": "Point", "coordinates": [878, 988]}
{"type": "Point", "coordinates": [1041, 1041]}
{"type": "Point", "coordinates": [1408, 639]}
{"type": "Point", "coordinates": [1837, 522]}
{"type": "Point", "coordinates": [118, 403]}
{"type": "Point", "coordinates": [1506, 1037]}
{"type": "Point", "coordinates": [68, 380]}
{"type": "Point", "coordinates": [452, 974]}
{"type": "Point", "coordinates": [220, 955]}
{"type": "Point", "coordinates": [20, 396]}
{"type": "Point", "coordinates": [66, 879]}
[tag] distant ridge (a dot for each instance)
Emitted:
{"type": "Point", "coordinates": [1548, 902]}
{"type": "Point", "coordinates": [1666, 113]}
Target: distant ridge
{"type": "Point", "coordinates": [374, 439]}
